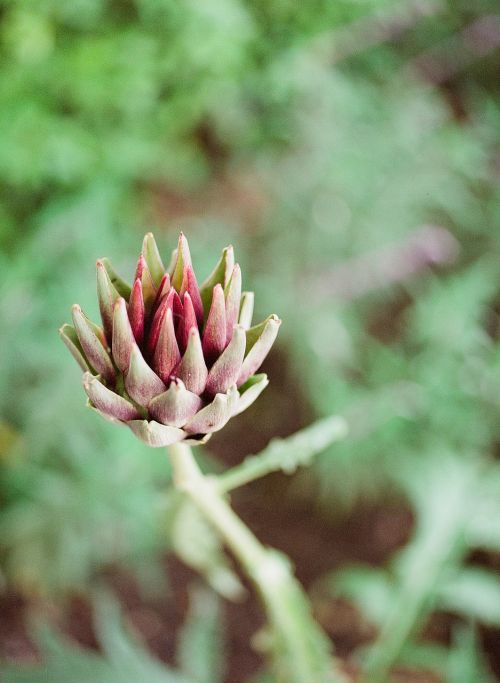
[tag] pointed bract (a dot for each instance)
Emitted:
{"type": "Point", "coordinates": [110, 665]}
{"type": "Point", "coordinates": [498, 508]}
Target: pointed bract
{"type": "Point", "coordinates": [233, 396]}
{"type": "Point", "coordinates": [123, 337]}
{"type": "Point", "coordinates": [192, 369]}
{"type": "Point", "coordinates": [122, 287]}
{"type": "Point", "coordinates": [104, 416]}
{"type": "Point", "coordinates": [170, 302]}
{"type": "Point", "coordinates": [153, 258]}
{"type": "Point", "coordinates": [136, 312]}
{"type": "Point", "coordinates": [246, 310]}
{"type": "Point", "coordinates": [141, 383]}
{"type": "Point", "coordinates": [176, 405]}
{"type": "Point", "coordinates": [227, 367]}
{"type": "Point", "coordinates": [220, 275]}
{"type": "Point", "coordinates": [157, 322]}
{"type": "Point", "coordinates": [214, 334]}
{"type": "Point", "coordinates": [190, 285]}
{"type": "Point", "coordinates": [173, 261]}
{"type": "Point", "coordinates": [183, 259]}
{"type": "Point", "coordinates": [175, 304]}
{"type": "Point", "coordinates": [249, 392]}
{"type": "Point", "coordinates": [188, 321]}
{"type": "Point", "coordinates": [166, 355]}
{"type": "Point", "coordinates": [233, 298]}
{"type": "Point", "coordinates": [70, 338]}
{"type": "Point", "coordinates": [107, 295]}
{"type": "Point", "coordinates": [155, 434]}
{"type": "Point", "coordinates": [92, 345]}
{"type": "Point", "coordinates": [163, 289]}
{"type": "Point", "coordinates": [259, 341]}
{"type": "Point", "coordinates": [211, 418]}
{"type": "Point", "coordinates": [107, 401]}
{"type": "Point", "coordinates": [148, 288]}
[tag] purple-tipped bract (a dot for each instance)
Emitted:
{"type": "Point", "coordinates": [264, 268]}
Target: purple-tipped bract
{"type": "Point", "coordinates": [173, 360]}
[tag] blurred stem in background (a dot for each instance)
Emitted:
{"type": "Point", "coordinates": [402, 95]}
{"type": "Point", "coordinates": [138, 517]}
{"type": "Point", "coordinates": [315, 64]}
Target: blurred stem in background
{"type": "Point", "coordinates": [304, 650]}
{"type": "Point", "coordinates": [438, 548]}
{"type": "Point", "coordinates": [285, 454]}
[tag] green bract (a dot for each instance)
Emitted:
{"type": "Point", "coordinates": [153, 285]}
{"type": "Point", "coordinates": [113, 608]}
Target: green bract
{"type": "Point", "coordinates": [172, 360]}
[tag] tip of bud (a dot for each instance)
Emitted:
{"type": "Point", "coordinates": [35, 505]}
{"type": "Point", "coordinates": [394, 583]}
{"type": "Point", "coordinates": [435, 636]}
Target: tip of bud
{"type": "Point", "coordinates": [239, 329]}
{"type": "Point", "coordinates": [87, 379]}
{"type": "Point", "coordinates": [177, 384]}
{"type": "Point", "coordinates": [119, 303]}
{"type": "Point", "coordinates": [141, 264]}
{"type": "Point", "coordinates": [76, 308]}
{"type": "Point", "coordinates": [182, 242]}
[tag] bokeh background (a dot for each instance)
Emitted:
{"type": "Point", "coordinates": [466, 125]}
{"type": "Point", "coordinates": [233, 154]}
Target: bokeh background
{"type": "Point", "coordinates": [350, 151]}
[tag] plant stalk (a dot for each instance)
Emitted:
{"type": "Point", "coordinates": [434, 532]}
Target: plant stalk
{"type": "Point", "coordinates": [285, 454]}
{"type": "Point", "coordinates": [303, 649]}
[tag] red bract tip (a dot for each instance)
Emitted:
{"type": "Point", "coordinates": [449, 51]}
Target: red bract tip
{"type": "Point", "coordinates": [154, 330]}
{"type": "Point", "coordinates": [136, 312]}
{"type": "Point", "coordinates": [188, 321]}
{"type": "Point", "coordinates": [166, 355]}
{"type": "Point", "coordinates": [170, 301]}
{"type": "Point", "coordinates": [175, 303]}
{"type": "Point", "coordinates": [189, 284]}
{"type": "Point", "coordinates": [214, 335]}
{"type": "Point", "coordinates": [182, 261]}
{"type": "Point", "coordinates": [163, 288]}
{"type": "Point", "coordinates": [141, 264]}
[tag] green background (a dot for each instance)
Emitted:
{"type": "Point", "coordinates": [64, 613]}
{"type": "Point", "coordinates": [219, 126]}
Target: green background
{"type": "Point", "coordinates": [349, 150]}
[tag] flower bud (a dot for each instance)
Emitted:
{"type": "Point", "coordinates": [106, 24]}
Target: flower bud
{"type": "Point", "coordinates": [173, 361]}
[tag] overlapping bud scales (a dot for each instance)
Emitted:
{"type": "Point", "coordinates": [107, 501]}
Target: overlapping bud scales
{"type": "Point", "coordinates": [173, 360]}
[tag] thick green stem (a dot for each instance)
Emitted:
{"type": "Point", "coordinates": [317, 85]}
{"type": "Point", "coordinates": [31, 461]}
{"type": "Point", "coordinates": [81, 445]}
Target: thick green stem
{"type": "Point", "coordinates": [304, 651]}
{"type": "Point", "coordinates": [203, 492]}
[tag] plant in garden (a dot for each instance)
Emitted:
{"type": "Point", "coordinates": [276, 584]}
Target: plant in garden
{"type": "Point", "coordinates": [174, 362]}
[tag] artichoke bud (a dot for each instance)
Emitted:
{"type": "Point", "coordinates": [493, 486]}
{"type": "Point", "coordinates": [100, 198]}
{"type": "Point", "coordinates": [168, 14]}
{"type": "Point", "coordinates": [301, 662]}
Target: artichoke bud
{"type": "Point", "coordinates": [173, 361]}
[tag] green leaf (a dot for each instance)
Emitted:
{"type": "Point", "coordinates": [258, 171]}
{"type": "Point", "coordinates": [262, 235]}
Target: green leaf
{"type": "Point", "coordinates": [200, 651]}
{"type": "Point", "coordinates": [466, 663]}
{"type": "Point", "coordinates": [370, 587]}
{"type": "Point", "coordinates": [196, 544]}
{"type": "Point", "coordinates": [473, 593]}
{"type": "Point", "coordinates": [427, 657]}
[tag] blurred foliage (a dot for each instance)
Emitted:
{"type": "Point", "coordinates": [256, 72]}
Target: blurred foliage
{"type": "Point", "coordinates": [124, 658]}
{"type": "Point", "coordinates": [350, 151]}
{"type": "Point", "coordinates": [450, 499]}
{"type": "Point", "coordinates": [201, 646]}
